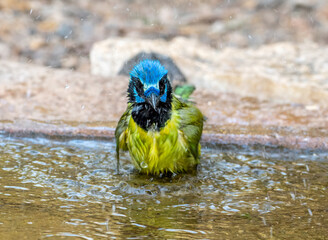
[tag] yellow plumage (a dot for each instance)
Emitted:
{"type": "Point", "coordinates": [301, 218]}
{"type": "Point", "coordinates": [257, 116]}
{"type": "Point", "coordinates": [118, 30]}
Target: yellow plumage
{"type": "Point", "coordinates": [175, 148]}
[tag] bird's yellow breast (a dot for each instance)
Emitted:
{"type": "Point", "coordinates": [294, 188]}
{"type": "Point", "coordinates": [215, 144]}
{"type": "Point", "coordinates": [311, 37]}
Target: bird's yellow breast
{"type": "Point", "coordinates": [159, 151]}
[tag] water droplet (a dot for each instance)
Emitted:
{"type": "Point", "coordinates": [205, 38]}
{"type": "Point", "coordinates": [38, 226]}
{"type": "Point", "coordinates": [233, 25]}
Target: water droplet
{"type": "Point", "coordinates": [66, 86]}
{"type": "Point", "coordinates": [31, 11]}
{"type": "Point", "coordinates": [143, 164]}
{"type": "Point", "coordinates": [311, 19]}
{"type": "Point", "coordinates": [250, 37]}
{"type": "Point", "coordinates": [82, 107]}
{"type": "Point", "coordinates": [293, 196]}
{"type": "Point", "coordinates": [113, 208]}
{"type": "Point", "coordinates": [28, 93]}
{"type": "Point", "coordinates": [310, 212]}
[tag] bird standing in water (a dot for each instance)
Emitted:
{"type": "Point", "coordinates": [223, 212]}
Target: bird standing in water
{"type": "Point", "coordinates": [161, 132]}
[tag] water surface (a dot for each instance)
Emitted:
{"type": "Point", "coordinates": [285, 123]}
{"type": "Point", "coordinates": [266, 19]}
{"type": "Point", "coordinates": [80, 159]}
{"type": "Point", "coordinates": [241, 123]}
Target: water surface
{"type": "Point", "coordinates": [70, 190]}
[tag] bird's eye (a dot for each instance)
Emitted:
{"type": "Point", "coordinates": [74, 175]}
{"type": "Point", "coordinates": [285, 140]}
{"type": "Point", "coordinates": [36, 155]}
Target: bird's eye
{"type": "Point", "coordinates": [162, 84]}
{"type": "Point", "coordinates": [139, 86]}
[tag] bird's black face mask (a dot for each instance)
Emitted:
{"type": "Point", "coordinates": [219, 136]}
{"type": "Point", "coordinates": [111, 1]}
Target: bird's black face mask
{"type": "Point", "coordinates": [151, 102]}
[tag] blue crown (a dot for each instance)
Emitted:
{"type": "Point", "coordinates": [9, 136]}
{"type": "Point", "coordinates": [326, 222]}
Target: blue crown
{"type": "Point", "coordinates": [148, 71]}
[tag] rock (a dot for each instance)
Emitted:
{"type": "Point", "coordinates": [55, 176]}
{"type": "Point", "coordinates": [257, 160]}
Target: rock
{"type": "Point", "coordinates": [55, 56]}
{"type": "Point", "coordinates": [47, 26]}
{"type": "Point", "coordinates": [76, 25]}
{"type": "Point", "coordinates": [64, 30]}
{"type": "Point", "coordinates": [36, 43]}
{"type": "Point", "coordinates": [45, 94]}
{"type": "Point", "coordinates": [40, 101]}
{"type": "Point", "coordinates": [281, 72]}
{"type": "Point", "coordinates": [4, 51]}
{"type": "Point", "coordinates": [18, 5]}
{"type": "Point", "coordinates": [269, 4]}
{"type": "Point", "coordinates": [302, 5]}
{"type": "Point", "coordinates": [70, 62]}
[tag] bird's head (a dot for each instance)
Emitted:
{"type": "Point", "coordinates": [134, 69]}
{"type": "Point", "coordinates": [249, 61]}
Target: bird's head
{"type": "Point", "coordinates": [149, 84]}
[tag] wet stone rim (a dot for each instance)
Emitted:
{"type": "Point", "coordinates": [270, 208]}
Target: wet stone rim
{"type": "Point", "coordinates": [227, 138]}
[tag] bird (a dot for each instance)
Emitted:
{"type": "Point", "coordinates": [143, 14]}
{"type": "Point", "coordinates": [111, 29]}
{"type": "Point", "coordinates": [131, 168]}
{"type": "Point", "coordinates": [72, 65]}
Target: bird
{"type": "Point", "coordinates": [161, 131]}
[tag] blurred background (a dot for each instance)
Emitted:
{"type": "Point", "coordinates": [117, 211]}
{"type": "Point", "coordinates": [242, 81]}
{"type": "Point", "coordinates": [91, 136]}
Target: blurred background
{"type": "Point", "coordinates": [60, 34]}
{"type": "Point", "coordinates": [260, 68]}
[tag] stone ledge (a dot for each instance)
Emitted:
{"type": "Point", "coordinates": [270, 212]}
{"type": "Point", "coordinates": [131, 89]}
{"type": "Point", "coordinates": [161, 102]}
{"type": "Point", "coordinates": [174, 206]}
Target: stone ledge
{"type": "Point", "coordinates": [212, 136]}
{"type": "Point", "coordinates": [281, 72]}
{"type": "Point", "coordinates": [38, 101]}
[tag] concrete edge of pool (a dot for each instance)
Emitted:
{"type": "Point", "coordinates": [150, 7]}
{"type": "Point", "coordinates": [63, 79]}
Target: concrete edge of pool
{"type": "Point", "coordinates": [240, 136]}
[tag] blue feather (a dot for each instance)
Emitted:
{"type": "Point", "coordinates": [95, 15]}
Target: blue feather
{"type": "Point", "coordinates": [149, 71]}
{"type": "Point", "coordinates": [164, 96]}
{"type": "Point", "coordinates": [151, 90]}
{"type": "Point", "coordinates": [138, 98]}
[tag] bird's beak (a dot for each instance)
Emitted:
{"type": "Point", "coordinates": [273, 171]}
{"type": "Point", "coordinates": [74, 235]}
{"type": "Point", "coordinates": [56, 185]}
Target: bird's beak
{"type": "Point", "coordinates": [153, 100]}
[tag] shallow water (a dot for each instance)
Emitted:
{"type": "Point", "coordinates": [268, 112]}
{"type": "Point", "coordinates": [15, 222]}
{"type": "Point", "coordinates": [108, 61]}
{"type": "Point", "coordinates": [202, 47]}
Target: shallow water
{"type": "Point", "coordinates": [70, 190]}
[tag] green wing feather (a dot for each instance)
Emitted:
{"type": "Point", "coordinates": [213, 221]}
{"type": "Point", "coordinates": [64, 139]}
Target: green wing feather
{"type": "Point", "coordinates": [191, 124]}
{"type": "Point", "coordinates": [184, 91]}
{"type": "Point", "coordinates": [120, 134]}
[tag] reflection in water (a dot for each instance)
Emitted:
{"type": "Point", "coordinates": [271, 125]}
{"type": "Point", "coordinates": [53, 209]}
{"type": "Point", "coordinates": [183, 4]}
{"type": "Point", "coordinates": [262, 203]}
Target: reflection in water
{"type": "Point", "coordinates": [57, 190]}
